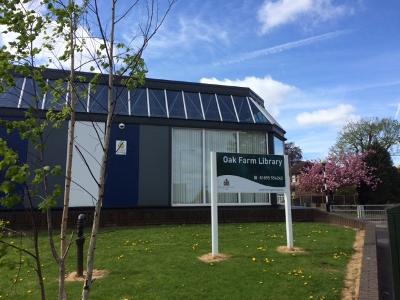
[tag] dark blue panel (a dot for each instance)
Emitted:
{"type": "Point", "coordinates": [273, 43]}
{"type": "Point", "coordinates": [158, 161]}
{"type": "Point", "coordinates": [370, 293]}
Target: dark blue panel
{"type": "Point", "coordinates": [139, 102]}
{"type": "Point", "coordinates": [226, 107]}
{"type": "Point", "coordinates": [98, 99]}
{"type": "Point", "coordinates": [18, 145]}
{"type": "Point", "coordinates": [121, 189]}
{"type": "Point", "coordinates": [157, 103]}
{"type": "Point", "coordinates": [210, 107]}
{"type": "Point", "coordinates": [11, 97]}
{"type": "Point", "coordinates": [193, 106]}
{"type": "Point", "coordinates": [121, 100]}
{"type": "Point", "coordinates": [175, 105]}
{"type": "Point", "coordinates": [259, 117]}
{"type": "Point", "coordinates": [243, 110]}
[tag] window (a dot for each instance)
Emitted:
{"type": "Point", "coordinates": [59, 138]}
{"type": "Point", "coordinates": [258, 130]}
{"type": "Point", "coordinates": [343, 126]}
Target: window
{"type": "Point", "coordinates": [253, 143]}
{"type": "Point", "coordinates": [193, 106]}
{"type": "Point", "coordinates": [121, 100]}
{"type": "Point", "coordinates": [139, 102]}
{"type": "Point", "coordinates": [226, 106]}
{"type": "Point", "coordinates": [11, 96]}
{"type": "Point", "coordinates": [219, 141]}
{"type": "Point", "coordinates": [175, 105]}
{"type": "Point", "coordinates": [157, 103]}
{"type": "Point", "coordinates": [57, 94]}
{"type": "Point", "coordinates": [243, 110]}
{"type": "Point", "coordinates": [187, 172]}
{"type": "Point", "coordinates": [280, 199]}
{"type": "Point", "coordinates": [98, 99]}
{"type": "Point", "coordinates": [278, 146]}
{"type": "Point", "coordinates": [210, 107]}
{"type": "Point", "coordinates": [259, 117]}
{"type": "Point", "coordinates": [191, 163]}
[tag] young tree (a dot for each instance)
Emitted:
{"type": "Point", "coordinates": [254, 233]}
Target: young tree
{"type": "Point", "coordinates": [125, 65]}
{"type": "Point", "coordinates": [341, 171]}
{"type": "Point", "coordinates": [41, 27]}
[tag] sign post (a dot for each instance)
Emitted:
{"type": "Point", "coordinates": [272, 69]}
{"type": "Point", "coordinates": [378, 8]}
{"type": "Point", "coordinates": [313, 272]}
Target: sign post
{"type": "Point", "coordinates": [288, 207]}
{"type": "Point", "coordinates": [249, 173]}
{"type": "Point", "coordinates": [214, 206]}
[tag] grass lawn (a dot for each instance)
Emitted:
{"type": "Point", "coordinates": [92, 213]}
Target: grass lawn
{"type": "Point", "coordinates": [161, 263]}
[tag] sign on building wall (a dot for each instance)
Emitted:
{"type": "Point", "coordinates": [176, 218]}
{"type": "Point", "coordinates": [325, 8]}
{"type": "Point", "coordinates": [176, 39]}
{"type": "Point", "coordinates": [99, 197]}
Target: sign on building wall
{"type": "Point", "coordinates": [120, 147]}
{"type": "Point", "coordinates": [250, 173]}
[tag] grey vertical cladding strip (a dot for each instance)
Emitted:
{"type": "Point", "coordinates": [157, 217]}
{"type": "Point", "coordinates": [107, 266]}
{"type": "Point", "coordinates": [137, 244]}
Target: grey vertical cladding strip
{"type": "Point", "coordinates": [55, 153]}
{"type": "Point", "coordinates": [154, 166]}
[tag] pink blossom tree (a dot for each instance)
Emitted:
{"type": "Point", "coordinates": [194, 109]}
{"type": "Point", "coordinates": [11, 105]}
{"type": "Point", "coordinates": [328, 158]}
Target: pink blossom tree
{"type": "Point", "coordinates": [341, 170]}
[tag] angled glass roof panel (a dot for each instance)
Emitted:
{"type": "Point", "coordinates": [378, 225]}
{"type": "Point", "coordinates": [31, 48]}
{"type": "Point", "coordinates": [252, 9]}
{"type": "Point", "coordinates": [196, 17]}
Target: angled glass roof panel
{"type": "Point", "coordinates": [98, 99]}
{"type": "Point", "coordinates": [139, 102]}
{"type": "Point", "coordinates": [243, 109]}
{"type": "Point", "coordinates": [259, 117]}
{"type": "Point", "coordinates": [175, 104]}
{"type": "Point", "coordinates": [121, 100]}
{"type": "Point", "coordinates": [56, 96]}
{"type": "Point", "coordinates": [157, 103]}
{"type": "Point", "coordinates": [82, 90]}
{"type": "Point", "coordinates": [193, 106]}
{"type": "Point", "coordinates": [226, 107]}
{"type": "Point", "coordinates": [10, 98]}
{"type": "Point", "coordinates": [32, 95]}
{"type": "Point", "coordinates": [210, 107]}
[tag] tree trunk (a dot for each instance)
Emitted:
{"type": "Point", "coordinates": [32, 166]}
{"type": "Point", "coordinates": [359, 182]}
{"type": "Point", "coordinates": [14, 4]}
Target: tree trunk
{"type": "Point", "coordinates": [68, 172]}
{"type": "Point", "coordinates": [96, 218]}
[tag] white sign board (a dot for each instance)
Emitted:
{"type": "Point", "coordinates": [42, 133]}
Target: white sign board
{"type": "Point", "coordinates": [120, 147]}
{"type": "Point", "coordinates": [249, 173]}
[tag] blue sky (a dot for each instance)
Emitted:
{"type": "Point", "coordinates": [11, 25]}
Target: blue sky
{"type": "Point", "coordinates": [316, 63]}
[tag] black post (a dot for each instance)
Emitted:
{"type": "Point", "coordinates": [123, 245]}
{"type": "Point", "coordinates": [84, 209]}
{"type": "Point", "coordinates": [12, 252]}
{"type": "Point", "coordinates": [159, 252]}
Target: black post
{"type": "Point", "coordinates": [80, 241]}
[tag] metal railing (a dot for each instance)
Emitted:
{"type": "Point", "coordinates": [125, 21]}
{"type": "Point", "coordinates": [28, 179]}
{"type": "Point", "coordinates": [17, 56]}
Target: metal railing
{"type": "Point", "coordinates": [373, 213]}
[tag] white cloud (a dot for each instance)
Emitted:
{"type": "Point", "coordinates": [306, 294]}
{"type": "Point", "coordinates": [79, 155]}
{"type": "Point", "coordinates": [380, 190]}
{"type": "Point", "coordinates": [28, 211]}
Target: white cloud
{"type": "Point", "coordinates": [282, 47]}
{"type": "Point", "coordinates": [272, 91]}
{"type": "Point", "coordinates": [273, 14]}
{"type": "Point", "coordinates": [332, 116]}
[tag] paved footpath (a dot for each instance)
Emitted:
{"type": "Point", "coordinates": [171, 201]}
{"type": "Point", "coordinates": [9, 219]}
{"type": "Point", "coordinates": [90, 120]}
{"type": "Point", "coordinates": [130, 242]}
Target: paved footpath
{"type": "Point", "coordinates": [384, 264]}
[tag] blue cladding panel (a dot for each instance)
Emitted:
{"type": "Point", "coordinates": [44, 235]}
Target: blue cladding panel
{"type": "Point", "coordinates": [226, 107]}
{"type": "Point", "coordinates": [122, 173]}
{"type": "Point", "coordinates": [243, 110]}
{"type": "Point", "coordinates": [18, 145]}
{"type": "Point", "coordinates": [175, 105]}
{"type": "Point", "coordinates": [139, 102]}
{"type": "Point", "coordinates": [157, 103]}
{"type": "Point", "coordinates": [193, 106]}
{"type": "Point", "coordinates": [210, 107]}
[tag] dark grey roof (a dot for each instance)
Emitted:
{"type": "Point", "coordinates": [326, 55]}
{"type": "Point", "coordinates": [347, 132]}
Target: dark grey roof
{"type": "Point", "coordinates": [156, 99]}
